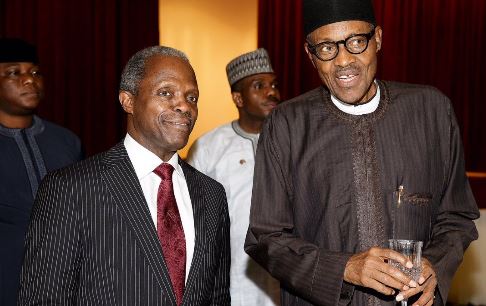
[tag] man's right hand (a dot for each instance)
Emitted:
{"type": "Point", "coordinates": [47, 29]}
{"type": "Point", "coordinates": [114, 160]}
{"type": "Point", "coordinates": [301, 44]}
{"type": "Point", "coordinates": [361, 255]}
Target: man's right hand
{"type": "Point", "coordinates": [371, 269]}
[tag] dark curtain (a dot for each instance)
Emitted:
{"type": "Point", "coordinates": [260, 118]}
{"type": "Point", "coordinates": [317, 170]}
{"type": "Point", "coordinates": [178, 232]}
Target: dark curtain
{"type": "Point", "coordinates": [83, 47]}
{"type": "Point", "coordinates": [434, 42]}
{"type": "Point", "coordinates": [280, 31]}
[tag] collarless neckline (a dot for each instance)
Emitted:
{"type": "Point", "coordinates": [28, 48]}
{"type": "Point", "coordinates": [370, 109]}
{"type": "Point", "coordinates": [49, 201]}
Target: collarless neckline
{"type": "Point", "coordinates": [36, 127]}
{"type": "Point", "coordinates": [383, 104]}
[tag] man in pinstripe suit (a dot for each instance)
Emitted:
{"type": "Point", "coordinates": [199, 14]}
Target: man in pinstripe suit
{"type": "Point", "coordinates": [94, 234]}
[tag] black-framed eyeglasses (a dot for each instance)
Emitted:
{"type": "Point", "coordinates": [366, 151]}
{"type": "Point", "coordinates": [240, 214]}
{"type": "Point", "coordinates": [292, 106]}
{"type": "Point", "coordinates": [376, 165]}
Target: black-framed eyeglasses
{"type": "Point", "coordinates": [328, 50]}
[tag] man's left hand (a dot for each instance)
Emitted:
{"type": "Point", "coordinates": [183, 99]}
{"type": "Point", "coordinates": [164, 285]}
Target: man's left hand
{"type": "Point", "coordinates": [427, 284]}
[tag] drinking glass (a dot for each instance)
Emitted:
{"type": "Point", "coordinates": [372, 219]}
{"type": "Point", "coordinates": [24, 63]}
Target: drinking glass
{"type": "Point", "coordinates": [412, 249]}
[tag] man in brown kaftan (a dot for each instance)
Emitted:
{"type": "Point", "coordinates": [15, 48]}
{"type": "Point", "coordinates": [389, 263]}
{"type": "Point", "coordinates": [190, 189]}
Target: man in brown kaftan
{"type": "Point", "coordinates": [331, 163]}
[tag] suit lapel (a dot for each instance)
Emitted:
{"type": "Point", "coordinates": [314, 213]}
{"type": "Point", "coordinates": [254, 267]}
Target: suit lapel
{"type": "Point", "coordinates": [125, 188]}
{"type": "Point", "coordinates": [197, 194]}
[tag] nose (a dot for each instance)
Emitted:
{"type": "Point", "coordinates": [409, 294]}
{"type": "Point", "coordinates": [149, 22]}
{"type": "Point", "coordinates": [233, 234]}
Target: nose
{"type": "Point", "coordinates": [181, 105]}
{"type": "Point", "coordinates": [273, 92]}
{"type": "Point", "coordinates": [27, 78]}
{"type": "Point", "coordinates": [344, 58]}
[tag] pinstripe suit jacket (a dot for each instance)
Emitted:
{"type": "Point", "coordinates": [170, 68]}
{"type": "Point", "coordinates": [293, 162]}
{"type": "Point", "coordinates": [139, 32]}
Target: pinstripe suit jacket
{"type": "Point", "coordinates": [92, 241]}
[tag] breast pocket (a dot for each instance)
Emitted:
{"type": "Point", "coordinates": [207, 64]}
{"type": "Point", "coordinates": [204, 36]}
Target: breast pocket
{"type": "Point", "coordinates": [412, 216]}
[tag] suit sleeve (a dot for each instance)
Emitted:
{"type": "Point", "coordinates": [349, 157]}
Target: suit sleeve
{"type": "Point", "coordinates": [221, 294]}
{"type": "Point", "coordinates": [302, 267]}
{"type": "Point", "coordinates": [453, 229]}
{"type": "Point", "coordinates": [52, 258]}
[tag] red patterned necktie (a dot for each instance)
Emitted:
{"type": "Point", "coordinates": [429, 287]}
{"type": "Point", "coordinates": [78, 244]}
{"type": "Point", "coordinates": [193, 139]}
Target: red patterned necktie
{"type": "Point", "coordinates": [170, 231]}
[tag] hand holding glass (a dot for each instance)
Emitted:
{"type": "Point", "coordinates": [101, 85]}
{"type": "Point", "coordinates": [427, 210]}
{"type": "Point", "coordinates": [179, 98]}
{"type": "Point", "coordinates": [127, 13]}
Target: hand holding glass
{"type": "Point", "coordinates": [411, 249]}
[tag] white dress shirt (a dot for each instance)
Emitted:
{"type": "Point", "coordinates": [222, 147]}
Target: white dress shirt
{"type": "Point", "coordinates": [144, 162]}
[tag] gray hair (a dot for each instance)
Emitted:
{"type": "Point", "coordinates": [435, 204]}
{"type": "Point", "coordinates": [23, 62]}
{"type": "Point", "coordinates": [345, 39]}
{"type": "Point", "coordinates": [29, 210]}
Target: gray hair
{"type": "Point", "coordinates": [135, 68]}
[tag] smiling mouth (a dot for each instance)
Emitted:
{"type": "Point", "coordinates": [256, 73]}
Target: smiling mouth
{"type": "Point", "coordinates": [347, 77]}
{"type": "Point", "coordinates": [181, 125]}
{"type": "Point", "coordinates": [347, 80]}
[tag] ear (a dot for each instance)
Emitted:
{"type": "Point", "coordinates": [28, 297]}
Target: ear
{"type": "Point", "coordinates": [378, 37]}
{"type": "Point", "coordinates": [309, 54]}
{"type": "Point", "coordinates": [126, 101]}
{"type": "Point", "coordinates": [237, 98]}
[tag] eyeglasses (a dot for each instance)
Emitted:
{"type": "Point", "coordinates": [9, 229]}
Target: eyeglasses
{"type": "Point", "coordinates": [328, 50]}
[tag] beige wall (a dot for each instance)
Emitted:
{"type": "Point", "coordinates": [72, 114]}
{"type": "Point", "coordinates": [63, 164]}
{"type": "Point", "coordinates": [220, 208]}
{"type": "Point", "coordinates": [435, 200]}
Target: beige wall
{"type": "Point", "coordinates": [211, 33]}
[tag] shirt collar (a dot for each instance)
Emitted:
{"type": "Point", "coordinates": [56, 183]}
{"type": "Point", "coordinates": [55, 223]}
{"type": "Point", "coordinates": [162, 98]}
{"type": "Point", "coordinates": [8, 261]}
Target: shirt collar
{"type": "Point", "coordinates": [144, 161]}
{"type": "Point", "coordinates": [360, 109]}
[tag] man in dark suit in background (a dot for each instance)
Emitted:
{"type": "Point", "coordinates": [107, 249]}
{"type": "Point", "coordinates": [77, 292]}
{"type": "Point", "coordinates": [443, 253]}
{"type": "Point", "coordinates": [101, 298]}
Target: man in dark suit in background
{"type": "Point", "coordinates": [29, 148]}
{"type": "Point", "coordinates": [135, 225]}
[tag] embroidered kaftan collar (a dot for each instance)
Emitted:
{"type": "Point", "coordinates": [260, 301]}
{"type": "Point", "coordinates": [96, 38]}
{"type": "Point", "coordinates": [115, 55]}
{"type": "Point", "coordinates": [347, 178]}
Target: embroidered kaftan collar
{"type": "Point", "coordinates": [360, 109]}
{"type": "Point", "coordinates": [383, 104]}
{"type": "Point", "coordinates": [250, 136]}
{"type": "Point", "coordinates": [36, 128]}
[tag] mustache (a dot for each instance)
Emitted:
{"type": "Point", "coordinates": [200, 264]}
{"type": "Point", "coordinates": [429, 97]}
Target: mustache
{"type": "Point", "coordinates": [351, 68]}
{"type": "Point", "coordinates": [177, 116]}
{"type": "Point", "coordinates": [273, 99]}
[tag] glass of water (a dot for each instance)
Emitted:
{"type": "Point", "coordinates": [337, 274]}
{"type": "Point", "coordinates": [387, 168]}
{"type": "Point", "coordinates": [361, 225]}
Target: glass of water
{"type": "Point", "coordinates": [412, 249]}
